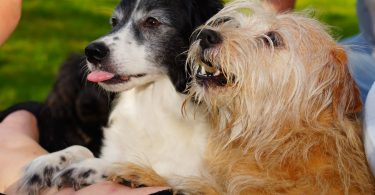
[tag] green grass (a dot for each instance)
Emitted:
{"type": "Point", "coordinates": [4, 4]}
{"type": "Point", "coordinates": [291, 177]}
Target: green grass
{"type": "Point", "coordinates": [339, 14]}
{"type": "Point", "coordinates": [50, 30]}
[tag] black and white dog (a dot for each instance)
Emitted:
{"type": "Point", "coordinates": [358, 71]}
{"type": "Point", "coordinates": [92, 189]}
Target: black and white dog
{"type": "Point", "coordinates": [143, 59]}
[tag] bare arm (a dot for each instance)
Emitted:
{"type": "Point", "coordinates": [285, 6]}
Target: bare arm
{"type": "Point", "coordinates": [10, 14]}
{"type": "Point", "coordinates": [282, 5]}
{"type": "Point", "coordinates": [18, 146]}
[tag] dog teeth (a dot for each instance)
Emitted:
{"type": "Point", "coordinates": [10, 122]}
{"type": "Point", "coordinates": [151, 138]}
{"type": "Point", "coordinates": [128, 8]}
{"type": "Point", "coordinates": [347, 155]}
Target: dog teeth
{"type": "Point", "coordinates": [201, 71]}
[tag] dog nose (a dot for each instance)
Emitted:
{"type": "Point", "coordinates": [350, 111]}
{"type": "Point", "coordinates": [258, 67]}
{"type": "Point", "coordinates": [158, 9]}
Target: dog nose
{"type": "Point", "coordinates": [96, 52]}
{"type": "Point", "coordinates": [209, 38]}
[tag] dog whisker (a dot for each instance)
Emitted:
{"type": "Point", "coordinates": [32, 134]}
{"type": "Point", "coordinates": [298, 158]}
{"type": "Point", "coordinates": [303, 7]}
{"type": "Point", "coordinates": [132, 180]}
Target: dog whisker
{"type": "Point", "coordinates": [283, 105]}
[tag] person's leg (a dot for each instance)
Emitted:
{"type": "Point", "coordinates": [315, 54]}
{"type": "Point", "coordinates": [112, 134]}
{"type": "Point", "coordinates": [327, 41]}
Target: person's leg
{"type": "Point", "coordinates": [18, 146]}
{"type": "Point", "coordinates": [33, 107]}
{"type": "Point", "coordinates": [22, 122]}
{"type": "Point", "coordinates": [361, 63]}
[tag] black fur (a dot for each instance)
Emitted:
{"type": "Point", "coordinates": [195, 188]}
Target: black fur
{"type": "Point", "coordinates": [166, 45]}
{"type": "Point", "coordinates": [164, 192]}
{"type": "Point", "coordinates": [75, 111]}
{"type": "Point", "coordinates": [36, 179]}
{"type": "Point", "coordinates": [196, 13]}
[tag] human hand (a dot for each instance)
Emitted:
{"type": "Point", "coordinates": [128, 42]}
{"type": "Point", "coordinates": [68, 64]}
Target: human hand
{"type": "Point", "coordinates": [107, 188]}
{"type": "Point", "coordinates": [104, 188]}
{"type": "Point", "coordinates": [19, 146]}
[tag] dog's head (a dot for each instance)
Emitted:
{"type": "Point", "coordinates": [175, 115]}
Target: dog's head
{"type": "Point", "coordinates": [252, 60]}
{"type": "Point", "coordinates": [147, 40]}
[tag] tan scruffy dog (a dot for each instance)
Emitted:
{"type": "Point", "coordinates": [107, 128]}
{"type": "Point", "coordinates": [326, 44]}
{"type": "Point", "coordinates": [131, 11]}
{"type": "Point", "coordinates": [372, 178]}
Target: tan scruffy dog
{"type": "Point", "coordinates": [282, 103]}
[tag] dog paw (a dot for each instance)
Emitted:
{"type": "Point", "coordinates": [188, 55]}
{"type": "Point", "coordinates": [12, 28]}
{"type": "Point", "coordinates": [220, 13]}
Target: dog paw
{"type": "Point", "coordinates": [82, 174]}
{"type": "Point", "coordinates": [39, 173]}
{"type": "Point", "coordinates": [136, 176]}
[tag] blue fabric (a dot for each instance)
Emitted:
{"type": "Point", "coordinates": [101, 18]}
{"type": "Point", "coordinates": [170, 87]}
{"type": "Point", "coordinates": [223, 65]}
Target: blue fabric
{"type": "Point", "coordinates": [361, 63]}
{"type": "Point", "coordinates": [360, 50]}
{"type": "Point", "coordinates": [369, 128]}
{"type": "Point", "coordinates": [365, 21]}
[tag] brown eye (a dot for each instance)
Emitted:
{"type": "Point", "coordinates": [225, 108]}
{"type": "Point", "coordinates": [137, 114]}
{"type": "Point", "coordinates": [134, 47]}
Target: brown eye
{"type": "Point", "coordinates": [221, 21]}
{"type": "Point", "coordinates": [114, 21]}
{"type": "Point", "coordinates": [273, 38]}
{"type": "Point", "coordinates": [151, 23]}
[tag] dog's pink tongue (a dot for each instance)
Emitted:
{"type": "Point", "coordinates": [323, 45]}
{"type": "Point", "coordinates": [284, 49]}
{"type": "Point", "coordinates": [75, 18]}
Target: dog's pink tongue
{"type": "Point", "coordinates": [99, 76]}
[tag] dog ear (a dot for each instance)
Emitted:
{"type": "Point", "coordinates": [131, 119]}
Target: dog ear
{"type": "Point", "coordinates": [197, 13]}
{"type": "Point", "coordinates": [202, 10]}
{"type": "Point", "coordinates": [346, 94]}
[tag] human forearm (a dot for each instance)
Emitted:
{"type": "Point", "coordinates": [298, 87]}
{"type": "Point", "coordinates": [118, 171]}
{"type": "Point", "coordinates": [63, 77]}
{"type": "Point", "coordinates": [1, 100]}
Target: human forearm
{"type": "Point", "coordinates": [10, 14]}
{"type": "Point", "coordinates": [282, 5]}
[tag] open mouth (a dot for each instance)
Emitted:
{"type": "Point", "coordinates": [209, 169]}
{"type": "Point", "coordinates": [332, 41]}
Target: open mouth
{"type": "Point", "coordinates": [208, 74]}
{"type": "Point", "coordinates": [110, 78]}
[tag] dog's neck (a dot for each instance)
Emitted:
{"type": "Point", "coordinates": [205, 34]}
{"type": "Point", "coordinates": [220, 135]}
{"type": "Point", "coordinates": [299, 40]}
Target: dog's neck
{"type": "Point", "coordinates": [160, 95]}
{"type": "Point", "coordinates": [148, 126]}
{"type": "Point", "coordinates": [288, 138]}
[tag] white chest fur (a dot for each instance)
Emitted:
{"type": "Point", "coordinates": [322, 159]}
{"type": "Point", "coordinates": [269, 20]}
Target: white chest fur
{"type": "Point", "coordinates": [147, 127]}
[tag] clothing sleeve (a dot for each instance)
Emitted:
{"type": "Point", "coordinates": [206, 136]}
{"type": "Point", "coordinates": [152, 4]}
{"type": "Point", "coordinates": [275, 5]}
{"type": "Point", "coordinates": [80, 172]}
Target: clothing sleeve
{"type": "Point", "coordinates": [366, 16]}
{"type": "Point", "coordinates": [369, 128]}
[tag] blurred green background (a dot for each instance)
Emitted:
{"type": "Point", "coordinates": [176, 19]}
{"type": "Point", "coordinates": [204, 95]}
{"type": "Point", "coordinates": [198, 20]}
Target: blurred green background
{"type": "Point", "coordinates": [50, 30]}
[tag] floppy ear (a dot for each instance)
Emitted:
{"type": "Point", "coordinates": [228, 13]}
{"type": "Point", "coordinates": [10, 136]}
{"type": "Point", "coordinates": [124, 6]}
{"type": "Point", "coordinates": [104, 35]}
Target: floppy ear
{"type": "Point", "coordinates": [197, 13]}
{"type": "Point", "coordinates": [346, 97]}
{"type": "Point", "coordinates": [202, 10]}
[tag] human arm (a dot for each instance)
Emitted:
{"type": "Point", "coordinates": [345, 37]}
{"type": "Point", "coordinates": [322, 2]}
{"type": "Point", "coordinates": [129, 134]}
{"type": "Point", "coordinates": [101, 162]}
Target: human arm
{"type": "Point", "coordinates": [18, 147]}
{"type": "Point", "coordinates": [282, 5]}
{"type": "Point", "coordinates": [10, 14]}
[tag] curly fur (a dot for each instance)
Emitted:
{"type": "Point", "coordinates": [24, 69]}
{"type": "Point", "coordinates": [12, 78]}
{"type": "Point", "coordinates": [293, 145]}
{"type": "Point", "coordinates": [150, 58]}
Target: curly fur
{"type": "Point", "coordinates": [285, 122]}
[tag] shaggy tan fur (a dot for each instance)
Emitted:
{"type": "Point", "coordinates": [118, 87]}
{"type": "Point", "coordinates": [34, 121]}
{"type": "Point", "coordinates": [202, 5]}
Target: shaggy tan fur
{"type": "Point", "coordinates": [285, 122]}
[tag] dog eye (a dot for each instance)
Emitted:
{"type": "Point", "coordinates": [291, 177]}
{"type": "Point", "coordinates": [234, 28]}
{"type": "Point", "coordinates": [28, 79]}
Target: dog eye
{"type": "Point", "coordinates": [221, 21]}
{"type": "Point", "coordinates": [114, 22]}
{"type": "Point", "coordinates": [273, 38]}
{"type": "Point", "coordinates": [151, 23]}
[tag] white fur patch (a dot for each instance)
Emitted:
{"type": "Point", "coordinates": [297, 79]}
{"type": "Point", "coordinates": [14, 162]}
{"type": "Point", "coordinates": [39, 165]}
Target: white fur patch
{"type": "Point", "coordinates": [86, 172]}
{"type": "Point", "coordinates": [147, 127]}
{"type": "Point", "coordinates": [127, 56]}
{"type": "Point", "coordinates": [40, 172]}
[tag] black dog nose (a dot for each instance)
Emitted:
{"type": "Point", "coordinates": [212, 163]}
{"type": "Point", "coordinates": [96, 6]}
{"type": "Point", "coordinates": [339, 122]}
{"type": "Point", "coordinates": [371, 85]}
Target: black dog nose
{"type": "Point", "coordinates": [209, 38]}
{"type": "Point", "coordinates": [96, 52]}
